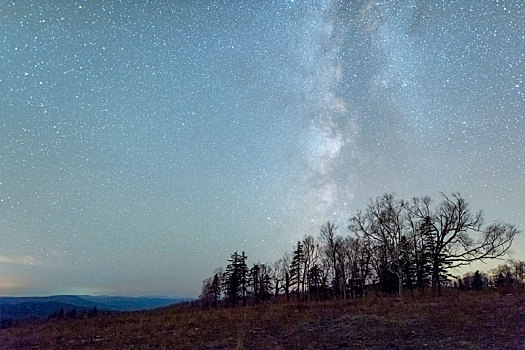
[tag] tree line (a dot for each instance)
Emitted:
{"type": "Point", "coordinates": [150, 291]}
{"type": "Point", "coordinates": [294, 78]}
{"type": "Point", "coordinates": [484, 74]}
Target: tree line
{"type": "Point", "coordinates": [507, 277]}
{"type": "Point", "coordinates": [73, 313]}
{"type": "Point", "coordinates": [393, 244]}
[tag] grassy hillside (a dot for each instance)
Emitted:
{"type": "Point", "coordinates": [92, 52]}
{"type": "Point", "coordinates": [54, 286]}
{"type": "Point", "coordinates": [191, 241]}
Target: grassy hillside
{"type": "Point", "coordinates": [467, 320]}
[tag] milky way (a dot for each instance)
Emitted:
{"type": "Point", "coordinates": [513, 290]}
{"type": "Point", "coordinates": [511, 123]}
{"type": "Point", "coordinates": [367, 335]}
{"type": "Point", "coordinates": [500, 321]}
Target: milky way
{"type": "Point", "coordinates": [142, 143]}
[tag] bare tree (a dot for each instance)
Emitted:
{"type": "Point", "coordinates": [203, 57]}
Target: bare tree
{"type": "Point", "coordinates": [311, 252]}
{"type": "Point", "coordinates": [518, 269]}
{"type": "Point", "coordinates": [260, 282]}
{"type": "Point", "coordinates": [278, 276]}
{"type": "Point", "coordinates": [385, 224]}
{"type": "Point", "coordinates": [341, 265]}
{"type": "Point", "coordinates": [358, 261]}
{"type": "Point", "coordinates": [282, 267]}
{"type": "Point", "coordinates": [211, 289]}
{"type": "Point", "coordinates": [422, 246]}
{"type": "Point", "coordinates": [328, 237]}
{"type": "Point", "coordinates": [206, 295]}
{"type": "Point", "coordinates": [457, 235]}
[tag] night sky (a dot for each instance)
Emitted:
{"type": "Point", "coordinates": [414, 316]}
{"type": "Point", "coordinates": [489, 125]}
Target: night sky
{"type": "Point", "coordinates": [141, 143]}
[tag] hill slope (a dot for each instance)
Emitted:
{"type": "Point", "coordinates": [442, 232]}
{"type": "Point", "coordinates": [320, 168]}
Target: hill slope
{"type": "Point", "coordinates": [459, 321]}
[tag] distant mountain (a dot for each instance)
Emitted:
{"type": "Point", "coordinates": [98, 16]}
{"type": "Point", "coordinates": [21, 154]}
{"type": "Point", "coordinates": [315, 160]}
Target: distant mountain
{"type": "Point", "coordinates": [21, 308]}
{"type": "Point", "coordinates": [132, 304]}
{"type": "Point", "coordinates": [31, 310]}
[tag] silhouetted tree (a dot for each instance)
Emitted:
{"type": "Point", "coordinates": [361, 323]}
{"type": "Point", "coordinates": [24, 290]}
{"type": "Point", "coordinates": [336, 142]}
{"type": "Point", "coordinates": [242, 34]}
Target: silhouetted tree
{"type": "Point", "coordinates": [287, 284]}
{"type": "Point", "coordinates": [509, 276]}
{"type": "Point", "coordinates": [477, 281]}
{"type": "Point", "coordinates": [211, 290]}
{"type": "Point", "coordinates": [328, 237]}
{"type": "Point", "coordinates": [216, 289]}
{"type": "Point", "coordinates": [310, 252]}
{"type": "Point", "coordinates": [235, 281]}
{"type": "Point", "coordinates": [281, 276]}
{"type": "Point", "coordinates": [408, 262]}
{"type": "Point", "coordinates": [206, 295]}
{"type": "Point", "coordinates": [518, 270]}
{"type": "Point", "coordinates": [384, 223]}
{"type": "Point", "coordinates": [358, 257]}
{"type": "Point", "coordinates": [400, 244]}
{"type": "Point", "coordinates": [452, 228]}
{"type": "Point", "coordinates": [423, 251]}
{"type": "Point", "coordinates": [260, 282]}
{"type": "Point", "coordinates": [296, 268]}
{"type": "Point", "coordinates": [315, 283]}
{"type": "Point", "coordinates": [243, 271]}
{"type": "Point", "coordinates": [461, 285]}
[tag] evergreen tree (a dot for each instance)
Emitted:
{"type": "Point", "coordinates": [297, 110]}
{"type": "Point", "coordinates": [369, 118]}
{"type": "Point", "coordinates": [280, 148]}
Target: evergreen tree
{"type": "Point", "coordinates": [296, 268]}
{"type": "Point", "coordinates": [315, 282]}
{"type": "Point", "coordinates": [243, 272]}
{"type": "Point", "coordinates": [232, 280]}
{"type": "Point", "coordinates": [461, 286]}
{"type": "Point", "coordinates": [216, 288]}
{"type": "Point", "coordinates": [408, 262]}
{"type": "Point", "coordinates": [424, 254]}
{"type": "Point", "coordinates": [477, 281]}
{"type": "Point", "coordinates": [459, 237]}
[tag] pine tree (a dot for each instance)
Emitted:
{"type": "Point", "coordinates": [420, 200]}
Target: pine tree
{"type": "Point", "coordinates": [315, 282]}
{"type": "Point", "coordinates": [216, 288]}
{"type": "Point", "coordinates": [477, 281]}
{"type": "Point", "coordinates": [243, 272]}
{"type": "Point", "coordinates": [266, 285]}
{"type": "Point", "coordinates": [232, 280]}
{"type": "Point", "coordinates": [296, 268]}
{"type": "Point", "coordinates": [424, 255]}
{"type": "Point", "coordinates": [408, 262]}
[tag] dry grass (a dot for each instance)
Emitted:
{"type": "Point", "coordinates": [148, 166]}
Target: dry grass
{"type": "Point", "coordinates": [456, 321]}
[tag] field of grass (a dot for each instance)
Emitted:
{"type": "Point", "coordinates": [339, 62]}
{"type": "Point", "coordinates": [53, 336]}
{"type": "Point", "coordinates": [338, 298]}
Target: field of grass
{"type": "Point", "coordinates": [466, 320]}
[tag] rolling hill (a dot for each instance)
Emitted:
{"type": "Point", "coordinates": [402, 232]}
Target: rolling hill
{"type": "Point", "coordinates": [22, 308]}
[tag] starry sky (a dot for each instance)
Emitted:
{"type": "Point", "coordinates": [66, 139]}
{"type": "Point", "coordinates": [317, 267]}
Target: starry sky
{"type": "Point", "coordinates": [142, 142]}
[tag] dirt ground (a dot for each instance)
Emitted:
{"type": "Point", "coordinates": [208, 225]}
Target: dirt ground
{"type": "Point", "coordinates": [460, 320]}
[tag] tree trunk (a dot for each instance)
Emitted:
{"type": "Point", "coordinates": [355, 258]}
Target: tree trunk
{"type": "Point", "coordinates": [400, 284]}
{"type": "Point", "coordinates": [436, 286]}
